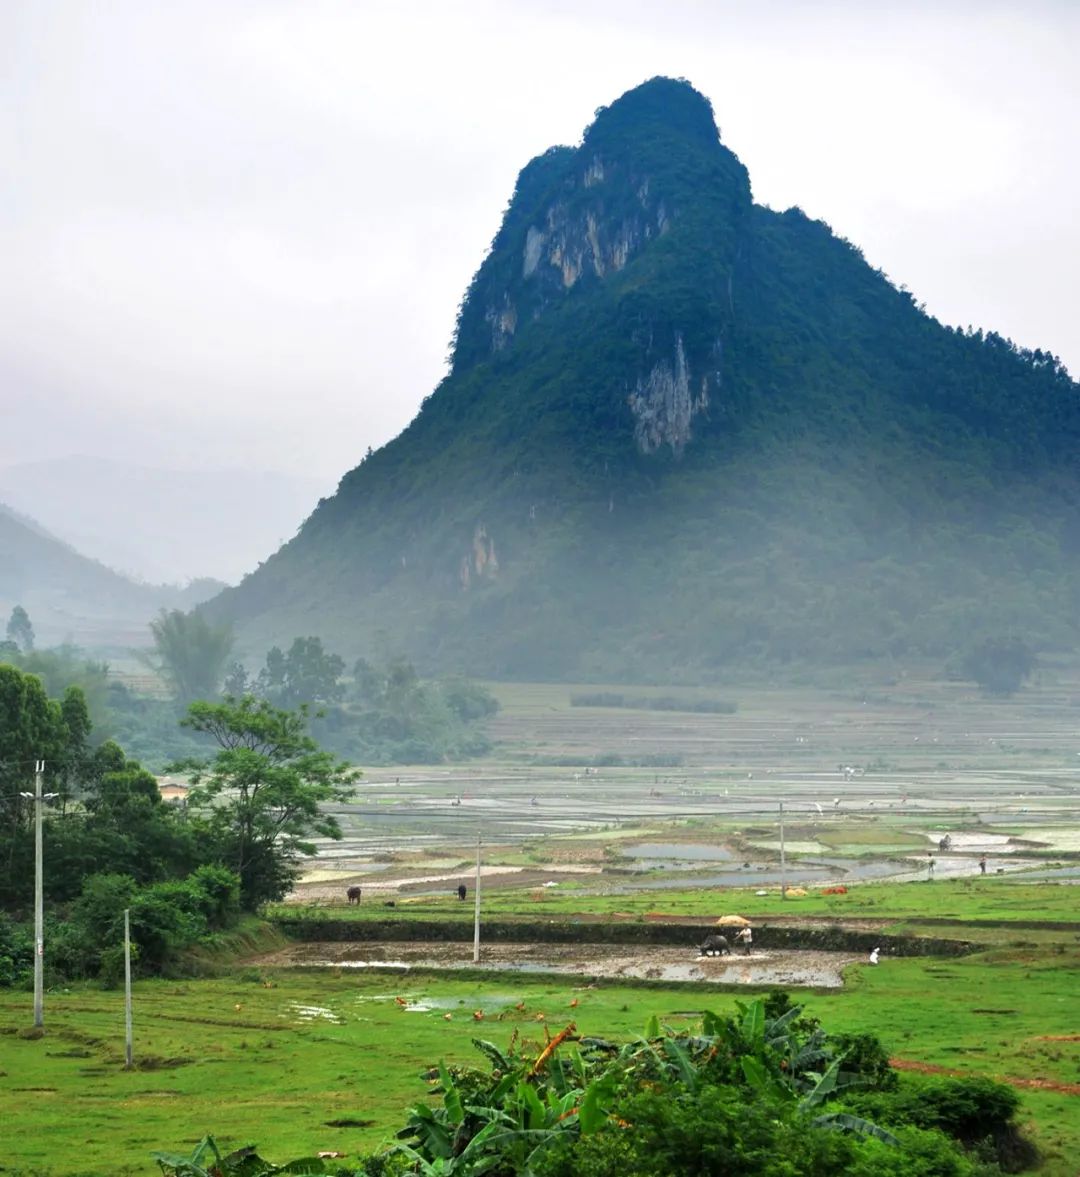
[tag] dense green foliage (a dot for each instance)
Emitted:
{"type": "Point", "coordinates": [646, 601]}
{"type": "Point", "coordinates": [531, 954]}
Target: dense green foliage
{"type": "Point", "coordinates": [999, 665]}
{"type": "Point", "coordinates": [20, 630]}
{"type": "Point", "coordinates": [189, 654]}
{"type": "Point", "coordinates": [765, 1093]}
{"type": "Point", "coordinates": [261, 792]}
{"type": "Point", "coordinates": [386, 714]}
{"type": "Point", "coordinates": [111, 843]}
{"type": "Point", "coordinates": [840, 478]}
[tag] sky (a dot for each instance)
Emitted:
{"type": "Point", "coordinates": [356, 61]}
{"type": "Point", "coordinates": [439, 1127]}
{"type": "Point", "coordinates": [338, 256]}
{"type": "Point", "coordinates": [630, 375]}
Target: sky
{"type": "Point", "coordinates": [236, 234]}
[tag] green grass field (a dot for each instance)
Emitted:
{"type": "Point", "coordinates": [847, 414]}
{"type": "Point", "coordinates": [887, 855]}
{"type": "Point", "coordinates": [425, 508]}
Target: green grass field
{"type": "Point", "coordinates": [300, 1061]}
{"type": "Point", "coordinates": [1005, 899]}
{"type": "Point", "coordinates": [279, 1058]}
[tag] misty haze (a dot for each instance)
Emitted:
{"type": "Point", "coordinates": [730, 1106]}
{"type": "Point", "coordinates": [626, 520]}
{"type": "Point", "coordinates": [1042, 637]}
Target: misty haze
{"type": "Point", "coordinates": [558, 516]}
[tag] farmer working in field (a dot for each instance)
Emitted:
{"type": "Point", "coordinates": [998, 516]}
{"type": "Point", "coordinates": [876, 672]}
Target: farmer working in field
{"type": "Point", "coordinates": [746, 938]}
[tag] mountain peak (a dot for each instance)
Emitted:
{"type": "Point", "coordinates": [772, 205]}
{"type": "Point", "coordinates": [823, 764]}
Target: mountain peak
{"type": "Point", "coordinates": [649, 163]}
{"type": "Point", "coordinates": [658, 105]}
{"type": "Point", "coordinates": [683, 436]}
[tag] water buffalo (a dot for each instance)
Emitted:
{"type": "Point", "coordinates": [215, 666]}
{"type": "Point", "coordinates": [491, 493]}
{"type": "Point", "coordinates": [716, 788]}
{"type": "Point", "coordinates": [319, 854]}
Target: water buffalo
{"type": "Point", "coordinates": [353, 894]}
{"type": "Point", "coordinates": [462, 891]}
{"type": "Point", "coordinates": [715, 946]}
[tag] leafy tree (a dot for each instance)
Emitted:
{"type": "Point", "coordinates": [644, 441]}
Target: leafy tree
{"type": "Point", "coordinates": [262, 791]}
{"type": "Point", "coordinates": [468, 700]}
{"type": "Point", "coordinates": [166, 918]}
{"type": "Point", "coordinates": [189, 653]}
{"type": "Point", "coordinates": [305, 674]}
{"type": "Point", "coordinates": [19, 629]}
{"type": "Point", "coordinates": [75, 715]}
{"type": "Point", "coordinates": [31, 729]}
{"type": "Point", "coordinates": [63, 666]}
{"type": "Point", "coordinates": [237, 680]}
{"type": "Point", "coordinates": [1000, 665]}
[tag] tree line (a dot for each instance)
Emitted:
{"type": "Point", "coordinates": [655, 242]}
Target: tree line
{"type": "Point", "coordinates": [111, 842]}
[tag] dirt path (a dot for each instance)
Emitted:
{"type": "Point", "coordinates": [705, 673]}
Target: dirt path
{"type": "Point", "coordinates": [907, 1064]}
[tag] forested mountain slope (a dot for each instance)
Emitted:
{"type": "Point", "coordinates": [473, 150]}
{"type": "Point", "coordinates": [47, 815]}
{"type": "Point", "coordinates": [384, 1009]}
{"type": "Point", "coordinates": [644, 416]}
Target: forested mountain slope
{"type": "Point", "coordinates": [70, 597]}
{"type": "Point", "coordinates": [683, 432]}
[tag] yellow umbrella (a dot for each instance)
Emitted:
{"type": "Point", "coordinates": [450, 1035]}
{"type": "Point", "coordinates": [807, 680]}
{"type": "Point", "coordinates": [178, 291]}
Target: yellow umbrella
{"type": "Point", "coordinates": [733, 921]}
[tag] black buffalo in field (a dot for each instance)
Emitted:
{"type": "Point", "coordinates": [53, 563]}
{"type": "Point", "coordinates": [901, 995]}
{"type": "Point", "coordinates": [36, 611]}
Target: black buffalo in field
{"type": "Point", "coordinates": [462, 891]}
{"type": "Point", "coordinates": [353, 894]}
{"type": "Point", "coordinates": [715, 946]}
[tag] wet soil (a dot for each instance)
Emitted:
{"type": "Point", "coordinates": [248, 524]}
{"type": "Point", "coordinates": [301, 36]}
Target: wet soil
{"type": "Point", "coordinates": [763, 967]}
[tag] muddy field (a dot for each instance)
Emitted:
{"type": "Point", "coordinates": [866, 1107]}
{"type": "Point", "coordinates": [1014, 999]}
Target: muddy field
{"type": "Point", "coordinates": [822, 970]}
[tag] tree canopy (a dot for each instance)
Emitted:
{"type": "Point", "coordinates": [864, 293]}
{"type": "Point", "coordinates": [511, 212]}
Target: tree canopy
{"type": "Point", "coordinates": [189, 653]}
{"type": "Point", "coordinates": [263, 790]}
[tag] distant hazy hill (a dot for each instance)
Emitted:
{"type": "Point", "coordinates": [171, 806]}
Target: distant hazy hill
{"type": "Point", "coordinates": [684, 433]}
{"type": "Point", "coordinates": [163, 525]}
{"type": "Point", "coordinates": [72, 598]}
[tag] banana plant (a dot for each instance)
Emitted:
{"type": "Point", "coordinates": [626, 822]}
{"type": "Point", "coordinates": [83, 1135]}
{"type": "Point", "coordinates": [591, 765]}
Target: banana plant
{"type": "Point", "coordinates": [206, 1160]}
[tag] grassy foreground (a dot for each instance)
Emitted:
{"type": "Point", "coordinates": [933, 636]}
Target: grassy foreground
{"type": "Point", "coordinates": [306, 1061]}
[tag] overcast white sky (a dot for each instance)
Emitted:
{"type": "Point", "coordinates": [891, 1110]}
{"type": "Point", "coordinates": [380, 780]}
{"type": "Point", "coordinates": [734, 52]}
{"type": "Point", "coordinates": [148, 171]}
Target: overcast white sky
{"type": "Point", "coordinates": [235, 232]}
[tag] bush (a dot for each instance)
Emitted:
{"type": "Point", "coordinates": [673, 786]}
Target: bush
{"type": "Point", "coordinates": [216, 891]}
{"type": "Point", "coordinates": [864, 1056]}
{"type": "Point", "coordinates": [16, 952]}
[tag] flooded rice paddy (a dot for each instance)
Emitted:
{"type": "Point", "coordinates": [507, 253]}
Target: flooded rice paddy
{"type": "Point", "coordinates": [763, 967]}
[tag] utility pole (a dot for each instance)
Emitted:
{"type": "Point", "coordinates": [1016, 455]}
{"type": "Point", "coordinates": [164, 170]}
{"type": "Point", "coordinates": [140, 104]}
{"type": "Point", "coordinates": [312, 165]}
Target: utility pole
{"type": "Point", "coordinates": [127, 990]}
{"type": "Point", "coordinates": [476, 916]}
{"type": "Point", "coordinates": [783, 863]}
{"type": "Point", "coordinates": [39, 893]}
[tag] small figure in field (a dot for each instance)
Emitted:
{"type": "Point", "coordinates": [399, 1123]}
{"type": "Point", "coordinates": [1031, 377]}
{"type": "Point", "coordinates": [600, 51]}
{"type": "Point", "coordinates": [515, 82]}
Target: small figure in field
{"type": "Point", "coordinates": [353, 895]}
{"type": "Point", "coordinates": [929, 865]}
{"type": "Point", "coordinates": [945, 843]}
{"type": "Point", "coordinates": [875, 953]}
{"type": "Point", "coordinates": [745, 937]}
{"type": "Point", "coordinates": [462, 891]}
{"type": "Point", "coordinates": [982, 865]}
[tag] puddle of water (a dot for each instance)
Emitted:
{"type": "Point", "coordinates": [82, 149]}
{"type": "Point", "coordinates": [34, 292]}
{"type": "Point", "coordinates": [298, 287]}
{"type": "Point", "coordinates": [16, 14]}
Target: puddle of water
{"type": "Point", "coordinates": [313, 1013]}
{"type": "Point", "coordinates": [360, 964]}
{"type": "Point", "coordinates": [417, 1004]}
{"type": "Point", "coordinates": [794, 847]}
{"type": "Point", "coordinates": [974, 841]}
{"type": "Point", "coordinates": [815, 970]}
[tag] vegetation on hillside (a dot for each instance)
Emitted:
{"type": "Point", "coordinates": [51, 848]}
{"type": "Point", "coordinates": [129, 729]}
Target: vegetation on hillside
{"type": "Point", "coordinates": [840, 478]}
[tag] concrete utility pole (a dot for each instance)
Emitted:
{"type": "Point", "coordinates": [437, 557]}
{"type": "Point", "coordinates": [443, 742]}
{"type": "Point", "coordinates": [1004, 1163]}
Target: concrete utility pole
{"type": "Point", "coordinates": [128, 1043]}
{"type": "Point", "coordinates": [39, 895]}
{"type": "Point", "coordinates": [476, 916]}
{"type": "Point", "coordinates": [783, 864]}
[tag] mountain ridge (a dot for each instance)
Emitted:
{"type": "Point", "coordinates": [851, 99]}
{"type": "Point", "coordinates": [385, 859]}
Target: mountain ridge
{"type": "Point", "coordinates": [680, 430]}
{"type": "Point", "coordinates": [160, 525]}
{"type": "Point", "coordinates": [71, 597]}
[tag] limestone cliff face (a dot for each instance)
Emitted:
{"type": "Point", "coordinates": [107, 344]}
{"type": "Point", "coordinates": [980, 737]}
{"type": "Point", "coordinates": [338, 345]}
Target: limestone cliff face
{"type": "Point", "coordinates": [581, 219]}
{"type": "Point", "coordinates": [481, 561]}
{"type": "Point", "coordinates": [587, 231]}
{"type": "Point", "coordinates": [665, 403]}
